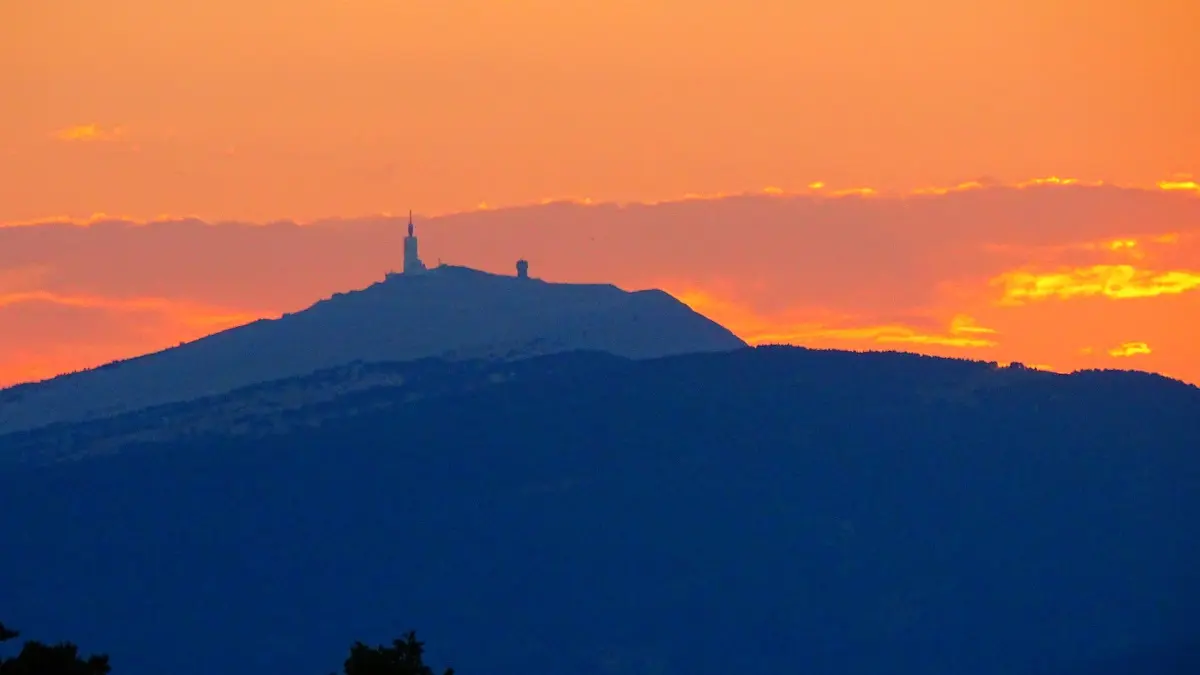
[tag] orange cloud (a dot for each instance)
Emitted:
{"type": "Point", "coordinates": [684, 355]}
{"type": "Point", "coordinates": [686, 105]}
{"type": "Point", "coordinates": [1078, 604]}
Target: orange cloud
{"type": "Point", "coordinates": [969, 185]}
{"type": "Point", "coordinates": [886, 334]}
{"type": "Point", "coordinates": [585, 201]}
{"type": "Point", "coordinates": [92, 132]}
{"type": "Point", "coordinates": [1127, 246]}
{"type": "Point", "coordinates": [756, 329]}
{"type": "Point", "coordinates": [1181, 183]}
{"type": "Point", "coordinates": [1055, 180]}
{"type": "Point", "coordinates": [22, 278]}
{"type": "Point", "coordinates": [186, 313]}
{"type": "Point", "coordinates": [97, 217]}
{"type": "Point", "coordinates": [962, 324]}
{"type": "Point", "coordinates": [1111, 281]}
{"type": "Point", "coordinates": [1130, 349]}
{"type": "Point", "coordinates": [46, 333]}
{"type": "Point", "coordinates": [89, 132]}
{"type": "Point", "coordinates": [860, 191]}
{"type": "Point", "coordinates": [812, 188]}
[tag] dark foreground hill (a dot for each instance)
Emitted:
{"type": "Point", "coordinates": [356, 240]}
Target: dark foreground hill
{"type": "Point", "coordinates": [767, 510]}
{"type": "Point", "coordinates": [448, 312]}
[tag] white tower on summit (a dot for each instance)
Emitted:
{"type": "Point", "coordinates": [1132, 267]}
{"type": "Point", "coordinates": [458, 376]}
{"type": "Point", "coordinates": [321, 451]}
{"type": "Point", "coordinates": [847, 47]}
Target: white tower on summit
{"type": "Point", "coordinates": [412, 261]}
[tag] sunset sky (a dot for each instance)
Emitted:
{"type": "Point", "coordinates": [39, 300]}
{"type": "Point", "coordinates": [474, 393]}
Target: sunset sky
{"type": "Point", "coordinates": [783, 166]}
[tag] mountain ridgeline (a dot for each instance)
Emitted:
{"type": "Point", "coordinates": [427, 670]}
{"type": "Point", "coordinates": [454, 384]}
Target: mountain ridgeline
{"type": "Point", "coordinates": [448, 312]}
{"type": "Point", "coordinates": [760, 510]}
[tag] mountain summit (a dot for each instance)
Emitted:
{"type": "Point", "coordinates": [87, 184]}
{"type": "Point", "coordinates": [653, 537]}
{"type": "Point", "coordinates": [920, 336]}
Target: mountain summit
{"type": "Point", "coordinates": [448, 312]}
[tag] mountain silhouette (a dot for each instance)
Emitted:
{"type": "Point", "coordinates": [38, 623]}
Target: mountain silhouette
{"type": "Point", "coordinates": [760, 510]}
{"type": "Point", "coordinates": [450, 312]}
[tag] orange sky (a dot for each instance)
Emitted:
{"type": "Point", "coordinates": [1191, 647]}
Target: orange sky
{"type": "Point", "coordinates": [259, 110]}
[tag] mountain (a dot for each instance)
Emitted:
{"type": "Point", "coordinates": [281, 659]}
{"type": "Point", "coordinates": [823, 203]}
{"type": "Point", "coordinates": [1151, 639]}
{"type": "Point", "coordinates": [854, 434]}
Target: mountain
{"type": "Point", "coordinates": [450, 312]}
{"type": "Point", "coordinates": [291, 404]}
{"type": "Point", "coordinates": [1176, 658]}
{"type": "Point", "coordinates": [755, 511]}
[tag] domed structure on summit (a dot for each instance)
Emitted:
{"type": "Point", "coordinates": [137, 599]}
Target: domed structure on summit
{"type": "Point", "coordinates": [412, 257]}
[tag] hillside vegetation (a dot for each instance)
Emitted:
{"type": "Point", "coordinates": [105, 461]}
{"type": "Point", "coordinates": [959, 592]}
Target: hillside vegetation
{"type": "Point", "coordinates": [757, 511]}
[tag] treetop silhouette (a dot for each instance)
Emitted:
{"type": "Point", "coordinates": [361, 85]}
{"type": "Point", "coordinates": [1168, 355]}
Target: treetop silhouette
{"type": "Point", "coordinates": [404, 657]}
{"type": "Point", "coordinates": [37, 658]}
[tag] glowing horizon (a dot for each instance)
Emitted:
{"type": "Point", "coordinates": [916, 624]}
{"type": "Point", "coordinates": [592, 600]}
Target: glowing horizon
{"type": "Point", "coordinates": [1010, 181]}
{"type": "Point", "coordinates": [1110, 287]}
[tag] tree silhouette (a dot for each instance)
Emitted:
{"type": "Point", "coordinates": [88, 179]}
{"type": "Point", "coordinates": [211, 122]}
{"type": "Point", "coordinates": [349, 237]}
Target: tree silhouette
{"type": "Point", "coordinates": [404, 657]}
{"type": "Point", "coordinates": [37, 658]}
